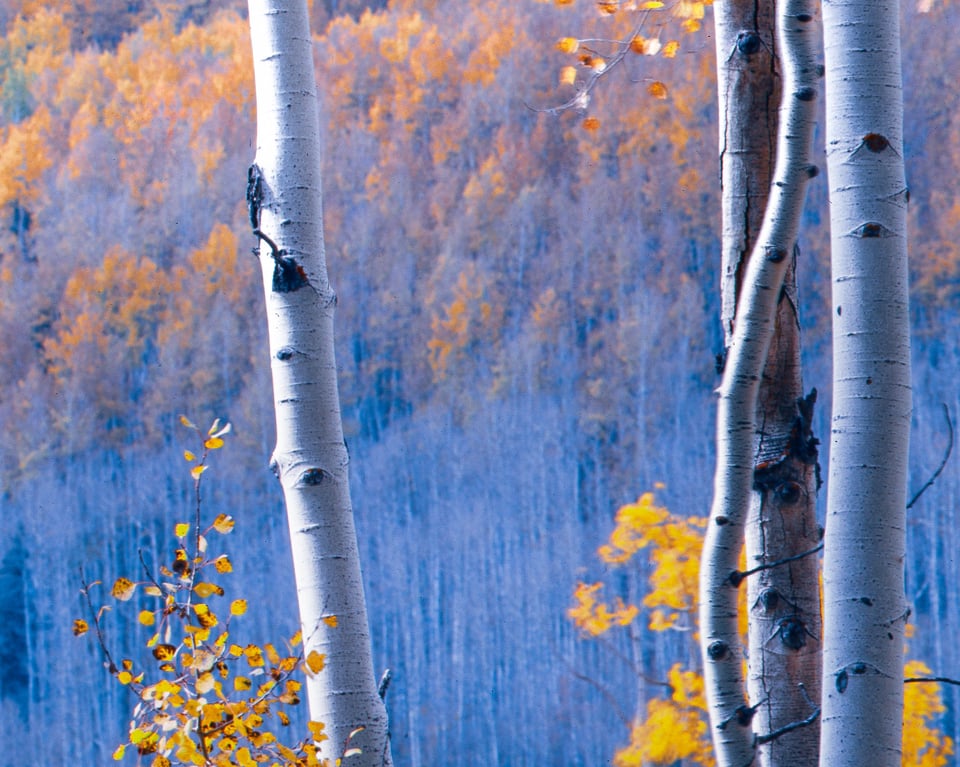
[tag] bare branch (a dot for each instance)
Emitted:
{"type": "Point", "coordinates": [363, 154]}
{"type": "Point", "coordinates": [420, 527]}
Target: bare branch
{"type": "Point", "coordinates": [946, 457]}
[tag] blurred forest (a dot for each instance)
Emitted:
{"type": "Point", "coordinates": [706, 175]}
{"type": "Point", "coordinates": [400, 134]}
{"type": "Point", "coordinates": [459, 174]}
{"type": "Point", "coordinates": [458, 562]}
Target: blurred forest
{"type": "Point", "coordinates": [527, 331]}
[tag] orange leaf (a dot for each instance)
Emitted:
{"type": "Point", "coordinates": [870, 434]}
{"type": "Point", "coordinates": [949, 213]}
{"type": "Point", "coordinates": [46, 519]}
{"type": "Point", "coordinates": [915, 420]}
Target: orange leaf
{"type": "Point", "coordinates": [80, 627]}
{"type": "Point", "coordinates": [123, 589]}
{"type": "Point", "coordinates": [315, 662]}
{"type": "Point", "coordinates": [657, 90]}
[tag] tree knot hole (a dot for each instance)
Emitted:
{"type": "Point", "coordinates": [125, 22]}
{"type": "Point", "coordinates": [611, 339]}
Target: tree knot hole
{"type": "Point", "coordinates": [718, 650]}
{"type": "Point", "coordinates": [748, 43]}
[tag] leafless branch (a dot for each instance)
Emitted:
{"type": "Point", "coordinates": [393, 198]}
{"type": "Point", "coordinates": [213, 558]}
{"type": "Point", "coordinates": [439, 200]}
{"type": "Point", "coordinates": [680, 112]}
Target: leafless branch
{"type": "Point", "coordinates": [946, 457]}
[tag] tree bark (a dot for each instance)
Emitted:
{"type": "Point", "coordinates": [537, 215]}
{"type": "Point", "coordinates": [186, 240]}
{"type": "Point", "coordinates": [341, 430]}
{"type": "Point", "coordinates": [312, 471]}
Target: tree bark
{"type": "Point", "coordinates": [783, 642]}
{"type": "Point", "coordinates": [310, 458]}
{"type": "Point", "coordinates": [865, 608]}
{"type": "Point", "coordinates": [749, 327]}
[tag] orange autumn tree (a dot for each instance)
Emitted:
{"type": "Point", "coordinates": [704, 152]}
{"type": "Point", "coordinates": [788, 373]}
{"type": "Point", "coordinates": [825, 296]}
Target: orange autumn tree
{"type": "Point", "coordinates": [674, 726]}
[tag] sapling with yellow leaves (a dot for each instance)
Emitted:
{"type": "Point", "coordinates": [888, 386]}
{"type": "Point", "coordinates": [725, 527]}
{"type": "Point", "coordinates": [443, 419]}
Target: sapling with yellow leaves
{"type": "Point", "coordinates": [206, 697]}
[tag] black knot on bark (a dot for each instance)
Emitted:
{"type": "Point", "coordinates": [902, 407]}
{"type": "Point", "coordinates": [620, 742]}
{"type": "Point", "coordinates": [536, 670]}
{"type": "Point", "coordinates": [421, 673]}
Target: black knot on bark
{"type": "Point", "coordinates": [793, 634]}
{"type": "Point", "coordinates": [789, 492]}
{"type": "Point", "coordinates": [748, 42]}
{"type": "Point", "coordinates": [871, 229]}
{"type": "Point", "coordinates": [718, 650]}
{"type": "Point", "coordinates": [776, 255]}
{"type": "Point", "coordinates": [288, 275]}
{"type": "Point", "coordinates": [806, 94]}
{"type": "Point", "coordinates": [314, 476]}
{"type": "Point", "coordinates": [812, 171]}
{"type": "Point", "coordinates": [875, 142]}
{"type": "Point", "coordinates": [721, 521]}
{"type": "Point", "coordinates": [805, 17]}
{"type": "Point", "coordinates": [285, 354]}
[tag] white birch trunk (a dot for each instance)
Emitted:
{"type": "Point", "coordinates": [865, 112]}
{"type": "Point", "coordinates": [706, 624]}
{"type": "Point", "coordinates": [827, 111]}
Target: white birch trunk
{"type": "Point", "coordinates": [310, 457]}
{"type": "Point", "coordinates": [783, 647]}
{"type": "Point", "coordinates": [864, 604]}
{"type": "Point", "coordinates": [730, 714]}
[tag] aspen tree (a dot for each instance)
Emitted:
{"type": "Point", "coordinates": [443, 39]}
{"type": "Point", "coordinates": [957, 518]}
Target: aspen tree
{"type": "Point", "coordinates": [310, 458]}
{"type": "Point", "coordinates": [730, 713]}
{"type": "Point", "coordinates": [783, 648]}
{"type": "Point", "coordinates": [865, 610]}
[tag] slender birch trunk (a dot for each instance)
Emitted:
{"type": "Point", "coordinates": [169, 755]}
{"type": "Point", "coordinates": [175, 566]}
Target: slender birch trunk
{"type": "Point", "coordinates": [864, 604]}
{"type": "Point", "coordinates": [751, 333]}
{"type": "Point", "coordinates": [310, 457]}
{"type": "Point", "coordinates": [783, 644]}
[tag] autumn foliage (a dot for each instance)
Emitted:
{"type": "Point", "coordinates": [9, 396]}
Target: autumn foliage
{"type": "Point", "coordinates": [206, 698]}
{"type": "Point", "coordinates": [673, 726]}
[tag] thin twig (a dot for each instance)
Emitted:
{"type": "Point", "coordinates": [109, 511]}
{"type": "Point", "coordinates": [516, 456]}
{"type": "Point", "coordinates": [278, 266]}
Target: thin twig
{"type": "Point", "coordinates": [943, 679]}
{"type": "Point", "coordinates": [606, 694]}
{"type": "Point", "coordinates": [761, 739]}
{"type": "Point", "coordinates": [596, 74]}
{"type": "Point", "coordinates": [946, 457]}
{"type": "Point", "coordinates": [737, 576]}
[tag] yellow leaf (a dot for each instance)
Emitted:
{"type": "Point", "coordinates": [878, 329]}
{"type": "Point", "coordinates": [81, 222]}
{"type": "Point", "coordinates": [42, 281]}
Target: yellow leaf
{"type": "Point", "coordinates": [124, 677]}
{"type": "Point", "coordinates": [213, 443]}
{"type": "Point", "coordinates": [187, 422]}
{"type": "Point", "coordinates": [315, 662]}
{"type": "Point", "coordinates": [352, 752]}
{"type": "Point", "coordinates": [189, 456]}
{"type": "Point", "coordinates": [568, 76]}
{"type": "Point", "coordinates": [164, 652]}
{"type": "Point", "coordinates": [356, 731]}
{"type": "Point", "coordinates": [651, 5]}
{"type": "Point", "coordinates": [657, 90]}
{"type": "Point", "coordinates": [196, 471]}
{"type": "Point", "coordinates": [205, 590]}
{"type": "Point", "coordinates": [80, 627]}
{"type": "Point", "coordinates": [118, 754]}
{"type": "Point", "coordinates": [205, 682]}
{"type": "Point", "coordinates": [238, 606]}
{"type": "Point", "coordinates": [669, 51]}
{"type": "Point", "coordinates": [223, 523]}
{"type": "Point", "coordinates": [284, 719]}
{"type": "Point", "coordinates": [241, 683]}
{"type": "Point", "coordinates": [296, 639]}
{"type": "Point", "coordinates": [331, 620]}
{"type": "Point", "coordinates": [123, 589]}
{"type": "Point", "coordinates": [223, 565]}
{"type": "Point", "coordinates": [691, 25]}
{"type": "Point", "coordinates": [254, 655]}
{"type": "Point", "coordinates": [316, 731]}
{"type": "Point", "coordinates": [146, 618]}
{"type": "Point", "coordinates": [152, 591]}
{"type": "Point", "coordinates": [243, 757]}
{"type": "Point", "coordinates": [272, 655]}
{"type": "Point", "coordinates": [568, 44]}
{"type": "Point", "coordinates": [181, 529]}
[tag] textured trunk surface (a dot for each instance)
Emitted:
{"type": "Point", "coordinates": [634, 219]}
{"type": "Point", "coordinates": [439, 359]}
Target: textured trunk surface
{"type": "Point", "coordinates": [783, 646]}
{"type": "Point", "coordinates": [864, 605]}
{"type": "Point", "coordinates": [758, 406]}
{"type": "Point", "coordinates": [310, 457]}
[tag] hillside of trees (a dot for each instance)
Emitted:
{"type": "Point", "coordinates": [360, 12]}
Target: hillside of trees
{"type": "Point", "coordinates": [527, 335]}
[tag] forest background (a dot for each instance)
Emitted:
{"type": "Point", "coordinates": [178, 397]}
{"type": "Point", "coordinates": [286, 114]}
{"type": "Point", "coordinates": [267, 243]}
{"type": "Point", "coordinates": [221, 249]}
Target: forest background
{"type": "Point", "coordinates": [527, 329]}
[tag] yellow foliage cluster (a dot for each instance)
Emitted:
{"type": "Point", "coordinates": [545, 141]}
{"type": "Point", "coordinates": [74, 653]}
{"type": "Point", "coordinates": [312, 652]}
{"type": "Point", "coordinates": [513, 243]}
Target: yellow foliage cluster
{"type": "Point", "coordinates": [211, 699]}
{"type": "Point", "coordinates": [674, 546]}
{"type": "Point", "coordinates": [675, 727]}
{"type": "Point", "coordinates": [923, 745]}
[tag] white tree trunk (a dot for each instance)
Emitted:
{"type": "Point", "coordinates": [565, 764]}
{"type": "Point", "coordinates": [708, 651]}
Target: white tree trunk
{"type": "Point", "coordinates": [783, 647]}
{"type": "Point", "coordinates": [864, 604]}
{"type": "Point", "coordinates": [310, 457]}
{"type": "Point", "coordinates": [730, 714]}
